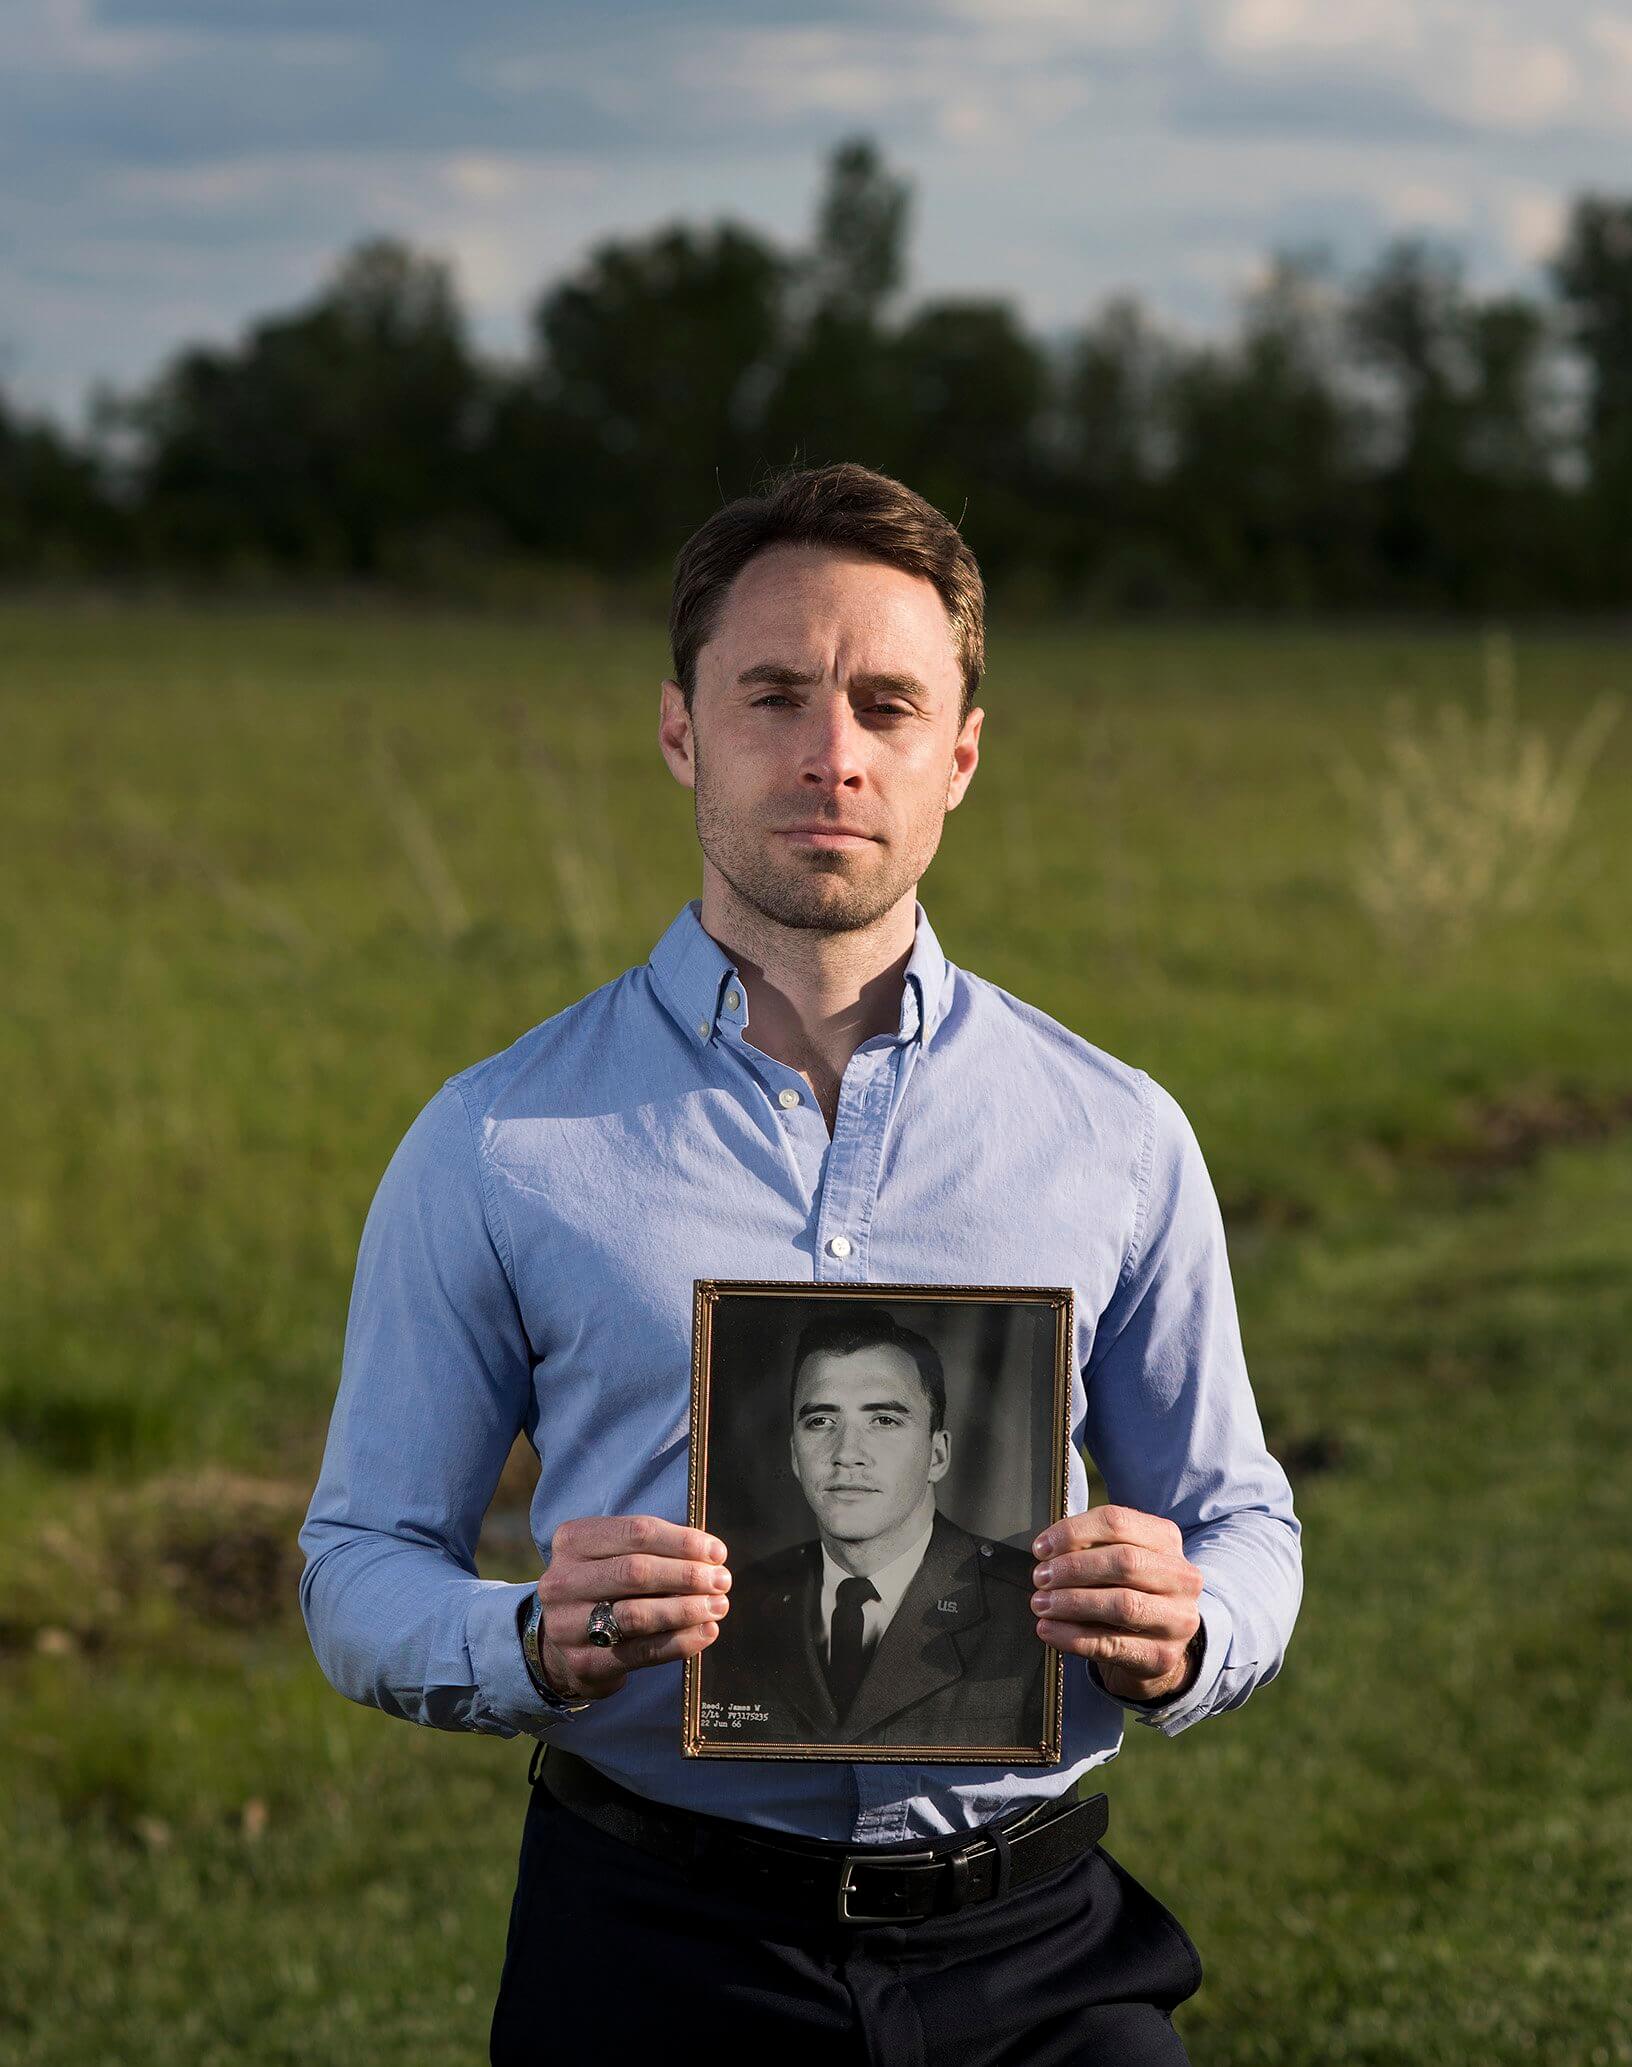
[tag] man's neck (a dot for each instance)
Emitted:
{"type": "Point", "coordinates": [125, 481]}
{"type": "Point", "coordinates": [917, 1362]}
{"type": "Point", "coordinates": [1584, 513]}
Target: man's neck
{"type": "Point", "coordinates": [815, 997]}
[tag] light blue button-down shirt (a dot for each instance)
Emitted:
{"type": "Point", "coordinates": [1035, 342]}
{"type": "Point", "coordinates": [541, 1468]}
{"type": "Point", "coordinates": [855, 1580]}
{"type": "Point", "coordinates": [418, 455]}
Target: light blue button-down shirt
{"type": "Point", "coordinates": [528, 1263]}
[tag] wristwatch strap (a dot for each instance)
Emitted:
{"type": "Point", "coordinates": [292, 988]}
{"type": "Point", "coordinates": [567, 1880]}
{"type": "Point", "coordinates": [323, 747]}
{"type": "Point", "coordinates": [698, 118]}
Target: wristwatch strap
{"type": "Point", "coordinates": [532, 1614]}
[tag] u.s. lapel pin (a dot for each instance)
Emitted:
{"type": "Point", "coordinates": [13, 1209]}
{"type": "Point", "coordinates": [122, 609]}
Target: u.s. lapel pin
{"type": "Point", "coordinates": [948, 1606]}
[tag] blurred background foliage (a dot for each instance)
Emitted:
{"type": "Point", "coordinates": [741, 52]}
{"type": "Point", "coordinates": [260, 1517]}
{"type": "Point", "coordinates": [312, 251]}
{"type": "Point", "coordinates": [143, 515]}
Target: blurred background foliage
{"type": "Point", "coordinates": [1383, 440]}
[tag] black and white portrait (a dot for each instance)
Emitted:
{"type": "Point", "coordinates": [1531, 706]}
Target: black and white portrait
{"type": "Point", "coordinates": [878, 1460]}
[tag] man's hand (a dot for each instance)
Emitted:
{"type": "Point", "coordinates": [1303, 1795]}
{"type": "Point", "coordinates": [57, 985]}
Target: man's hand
{"type": "Point", "coordinates": [1115, 1585]}
{"type": "Point", "coordinates": [667, 1586]}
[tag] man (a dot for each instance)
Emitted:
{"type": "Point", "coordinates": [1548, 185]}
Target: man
{"type": "Point", "coordinates": [797, 1086]}
{"type": "Point", "coordinates": [894, 1625]}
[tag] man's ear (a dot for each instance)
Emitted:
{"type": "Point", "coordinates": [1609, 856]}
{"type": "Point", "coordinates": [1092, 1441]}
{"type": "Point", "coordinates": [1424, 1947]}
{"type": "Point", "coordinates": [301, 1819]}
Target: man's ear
{"type": "Point", "coordinates": [940, 1454]}
{"type": "Point", "coordinates": [965, 758]}
{"type": "Point", "coordinates": [674, 735]}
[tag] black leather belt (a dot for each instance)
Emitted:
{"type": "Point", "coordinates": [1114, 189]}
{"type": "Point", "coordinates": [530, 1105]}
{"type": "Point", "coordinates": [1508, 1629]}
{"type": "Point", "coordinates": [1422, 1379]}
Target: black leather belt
{"type": "Point", "coordinates": [876, 1885]}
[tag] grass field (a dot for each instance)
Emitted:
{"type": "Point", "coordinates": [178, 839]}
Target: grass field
{"type": "Point", "coordinates": [268, 880]}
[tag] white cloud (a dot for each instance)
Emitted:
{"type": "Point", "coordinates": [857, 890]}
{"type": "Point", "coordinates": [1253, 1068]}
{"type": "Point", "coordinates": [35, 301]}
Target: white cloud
{"type": "Point", "coordinates": [1232, 270]}
{"type": "Point", "coordinates": [963, 121]}
{"type": "Point", "coordinates": [802, 70]}
{"type": "Point", "coordinates": [1421, 204]}
{"type": "Point", "coordinates": [1509, 83]}
{"type": "Point", "coordinates": [217, 188]}
{"type": "Point", "coordinates": [1611, 38]}
{"type": "Point", "coordinates": [1534, 223]}
{"type": "Point", "coordinates": [46, 36]}
{"type": "Point", "coordinates": [1103, 25]}
{"type": "Point", "coordinates": [993, 78]}
{"type": "Point", "coordinates": [1494, 65]}
{"type": "Point", "coordinates": [68, 38]}
{"type": "Point", "coordinates": [474, 177]}
{"type": "Point", "coordinates": [1273, 27]}
{"type": "Point", "coordinates": [1613, 35]}
{"type": "Point", "coordinates": [490, 269]}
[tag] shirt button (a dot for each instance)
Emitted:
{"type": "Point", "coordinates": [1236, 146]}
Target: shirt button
{"type": "Point", "coordinates": [787, 1099]}
{"type": "Point", "coordinates": [702, 1028]}
{"type": "Point", "coordinates": [733, 998]}
{"type": "Point", "coordinates": [839, 1246]}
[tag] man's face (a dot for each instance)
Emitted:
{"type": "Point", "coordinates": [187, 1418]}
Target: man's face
{"type": "Point", "coordinates": [824, 742]}
{"type": "Point", "coordinates": [863, 1450]}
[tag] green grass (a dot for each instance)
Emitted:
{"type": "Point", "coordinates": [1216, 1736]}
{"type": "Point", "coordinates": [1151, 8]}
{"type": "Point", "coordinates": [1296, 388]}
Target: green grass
{"type": "Point", "coordinates": [237, 965]}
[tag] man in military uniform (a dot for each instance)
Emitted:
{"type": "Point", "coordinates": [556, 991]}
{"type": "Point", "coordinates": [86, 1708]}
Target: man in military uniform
{"type": "Point", "coordinates": [893, 1625]}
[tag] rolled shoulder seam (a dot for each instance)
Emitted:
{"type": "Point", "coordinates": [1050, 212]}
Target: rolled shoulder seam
{"type": "Point", "coordinates": [1147, 1163]}
{"type": "Point", "coordinates": [498, 1231]}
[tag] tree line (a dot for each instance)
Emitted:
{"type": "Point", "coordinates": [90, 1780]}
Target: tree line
{"type": "Point", "coordinates": [1385, 439]}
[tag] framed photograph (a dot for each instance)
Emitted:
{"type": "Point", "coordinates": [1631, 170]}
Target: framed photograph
{"type": "Point", "coordinates": [877, 1460]}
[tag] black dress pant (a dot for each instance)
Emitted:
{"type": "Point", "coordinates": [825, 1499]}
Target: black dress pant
{"type": "Point", "coordinates": [611, 1950]}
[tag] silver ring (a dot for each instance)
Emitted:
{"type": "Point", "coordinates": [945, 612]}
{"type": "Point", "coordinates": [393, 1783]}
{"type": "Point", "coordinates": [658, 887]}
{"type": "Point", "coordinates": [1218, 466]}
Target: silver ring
{"type": "Point", "coordinates": [603, 1626]}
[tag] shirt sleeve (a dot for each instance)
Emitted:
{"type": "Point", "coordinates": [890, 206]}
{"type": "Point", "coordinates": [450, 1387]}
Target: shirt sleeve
{"type": "Point", "coordinates": [1173, 1427]}
{"type": "Point", "coordinates": [435, 1384]}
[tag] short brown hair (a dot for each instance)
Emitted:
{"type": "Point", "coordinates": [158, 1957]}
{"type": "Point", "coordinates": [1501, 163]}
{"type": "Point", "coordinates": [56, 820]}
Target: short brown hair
{"type": "Point", "coordinates": [851, 509]}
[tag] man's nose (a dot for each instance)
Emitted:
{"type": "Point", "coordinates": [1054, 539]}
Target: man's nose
{"type": "Point", "coordinates": [834, 746]}
{"type": "Point", "coordinates": [851, 1447]}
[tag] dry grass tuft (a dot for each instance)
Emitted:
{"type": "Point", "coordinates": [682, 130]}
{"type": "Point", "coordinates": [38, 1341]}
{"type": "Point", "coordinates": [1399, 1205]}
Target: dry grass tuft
{"type": "Point", "coordinates": [1469, 817]}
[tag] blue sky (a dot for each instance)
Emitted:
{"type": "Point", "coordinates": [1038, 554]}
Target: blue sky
{"type": "Point", "coordinates": [169, 168]}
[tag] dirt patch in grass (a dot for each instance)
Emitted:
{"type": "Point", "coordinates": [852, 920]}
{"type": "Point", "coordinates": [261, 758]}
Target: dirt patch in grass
{"type": "Point", "coordinates": [243, 1577]}
{"type": "Point", "coordinates": [1265, 1211]}
{"type": "Point", "coordinates": [1312, 1455]}
{"type": "Point", "coordinates": [1510, 1132]}
{"type": "Point", "coordinates": [1305, 1453]}
{"type": "Point", "coordinates": [227, 1546]}
{"type": "Point", "coordinates": [212, 1547]}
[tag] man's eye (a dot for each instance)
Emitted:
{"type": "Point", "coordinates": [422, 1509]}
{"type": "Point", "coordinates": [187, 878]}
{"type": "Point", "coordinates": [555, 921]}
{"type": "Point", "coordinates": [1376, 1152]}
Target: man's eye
{"type": "Point", "coordinates": [891, 710]}
{"type": "Point", "coordinates": [775, 697]}
{"type": "Point", "coordinates": [888, 1420]}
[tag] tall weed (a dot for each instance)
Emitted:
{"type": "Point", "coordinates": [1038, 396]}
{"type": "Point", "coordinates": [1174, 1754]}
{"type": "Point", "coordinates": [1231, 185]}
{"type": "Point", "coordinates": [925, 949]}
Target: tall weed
{"type": "Point", "coordinates": [1471, 813]}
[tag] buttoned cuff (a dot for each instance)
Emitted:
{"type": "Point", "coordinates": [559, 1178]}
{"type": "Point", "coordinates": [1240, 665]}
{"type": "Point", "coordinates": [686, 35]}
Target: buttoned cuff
{"type": "Point", "coordinates": [1175, 1712]}
{"type": "Point", "coordinates": [507, 1702]}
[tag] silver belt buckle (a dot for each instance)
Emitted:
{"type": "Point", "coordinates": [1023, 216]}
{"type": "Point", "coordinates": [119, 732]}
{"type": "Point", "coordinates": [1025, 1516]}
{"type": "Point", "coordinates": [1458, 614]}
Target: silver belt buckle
{"type": "Point", "coordinates": [846, 1886]}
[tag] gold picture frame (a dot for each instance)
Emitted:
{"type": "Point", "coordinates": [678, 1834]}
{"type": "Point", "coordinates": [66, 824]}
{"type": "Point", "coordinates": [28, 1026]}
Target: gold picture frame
{"type": "Point", "coordinates": [951, 1676]}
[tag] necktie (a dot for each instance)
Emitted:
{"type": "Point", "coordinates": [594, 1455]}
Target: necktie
{"type": "Point", "coordinates": [844, 1640]}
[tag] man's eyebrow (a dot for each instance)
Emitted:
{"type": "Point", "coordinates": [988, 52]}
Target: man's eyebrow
{"type": "Point", "coordinates": [867, 1407]}
{"type": "Point", "coordinates": [778, 675]}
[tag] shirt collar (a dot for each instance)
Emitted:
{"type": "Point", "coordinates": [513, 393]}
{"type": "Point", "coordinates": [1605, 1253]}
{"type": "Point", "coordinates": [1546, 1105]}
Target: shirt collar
{"type": "Point", "coordinates": [695, 975]}
{"type": "Point", "coordinates": [890, 1583]}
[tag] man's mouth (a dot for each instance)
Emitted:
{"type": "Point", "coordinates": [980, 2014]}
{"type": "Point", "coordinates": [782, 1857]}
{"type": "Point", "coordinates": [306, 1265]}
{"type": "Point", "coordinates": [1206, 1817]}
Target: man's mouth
{"type": "Point", "coordinates": [839, 836]}
{"type": "Point", "coordinates": [848, 1488]}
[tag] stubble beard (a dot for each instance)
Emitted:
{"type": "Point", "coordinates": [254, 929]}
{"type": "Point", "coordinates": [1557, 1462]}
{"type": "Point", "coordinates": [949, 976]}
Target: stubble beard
{"type": "Point", "coordinates": [819, 890]}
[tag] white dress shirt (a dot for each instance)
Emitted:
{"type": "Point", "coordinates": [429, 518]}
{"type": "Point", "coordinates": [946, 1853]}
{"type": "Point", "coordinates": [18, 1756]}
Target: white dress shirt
{"type": "Point", "coordinates": [892, 1582]}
